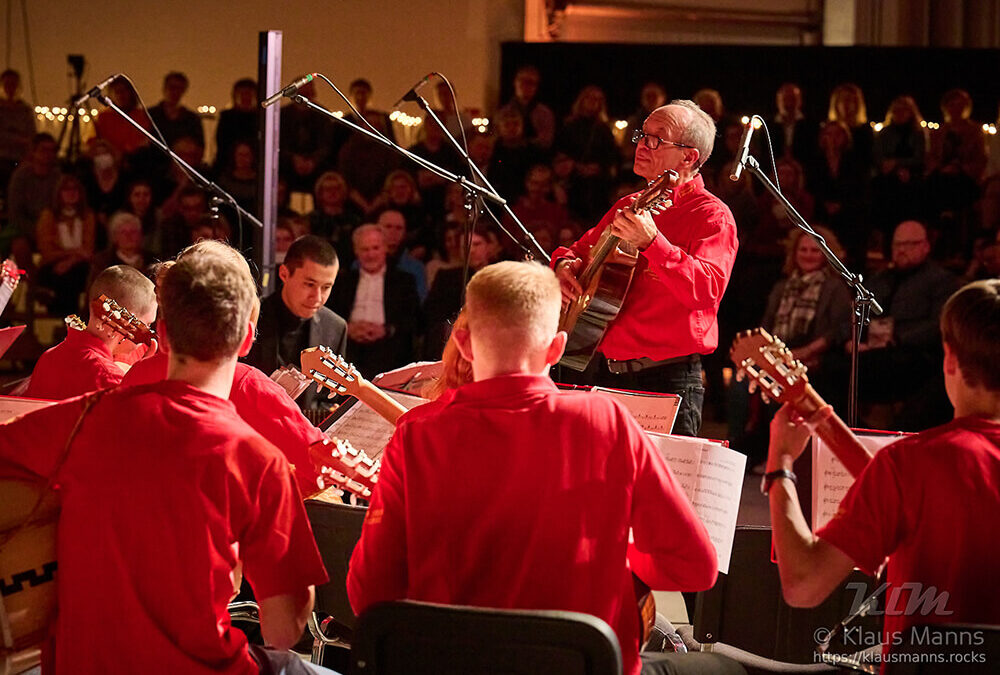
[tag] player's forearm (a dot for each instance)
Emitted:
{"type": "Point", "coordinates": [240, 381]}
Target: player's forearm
{"type": "Point", "coordinates": [795, 546]}
{"type": "Point", "coordinates": [283, 617]}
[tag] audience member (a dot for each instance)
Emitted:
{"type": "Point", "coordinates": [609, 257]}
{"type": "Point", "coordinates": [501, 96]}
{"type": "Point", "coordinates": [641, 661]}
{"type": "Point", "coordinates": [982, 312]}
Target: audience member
{"type": "Point", "coordinates": [66, 235]}
{"type": "Point", "coordinates": [455, 121]}
{"type": "Point", "coordinates": [363, 162]}
{"type": "Point", "coordinates": [587, 138]}
{"type": "Point", "coordinates": [446, 294]}
{"type": "Point", "coordinates": [434, 147]}
{"type": "Point", "coordinates": [238, 123]}
{"type": "Point", "coordinates": [899, 355]}
{"type": "Point", "coordinates": [335, 215]}
{"type": "Point", "coordinates": [125, 233]}
{"type": "Point", "coordinates": [481, 151]}
{"type": "Point", "coordinates": [847, 105]}
{"type": "Point", "coordinates": [400, 193]}
{"type": "Point", "coordinates": [791, 133]}
{"type": "Point", "coordinates": [85, 360]}
{"type": "Point", "coordinates": [651, 97]}
{"type": "Point", "coordinates": [116, 130]}
{"type": "Point", "coordinates": [139, 202]}
{"type": "Point", "coordinates": [393, 225]}
{"type": "Point", "coordinates": [171, 117]}
{"type": "Point", "coordinates": [283, 238]}
{"type": "Point", "coordinates": [103, 182]}
{"type": "Point", "coordinates": [239, 176]}
{"type": "Point", "coordinates": [537, 210]}
{"type": "Point", "coordinates": [539, 120]}
{"type": "Point", "coordinates": [382, 305]}
{"type": "Point", "coordinates": [839, 186]}
{"type": "Point", "coordinates": [17, 126]}
{"type": "Point", "coordinates": [512, 154]}
{"type": "Point", "coordinates": [29, 193]}
{"type": "Point", "coordinates": [296, 318]}
{"type": "Point", "coordinates": [306, 142]}
{"type": "Point", "coordinates": [175, 232]}
{"type": "Point", "coordinates": [900, 147]}
{"type": "Point", "coordinates": [175, 180]}
{"type": "Point", "coordinates": [451, 256]}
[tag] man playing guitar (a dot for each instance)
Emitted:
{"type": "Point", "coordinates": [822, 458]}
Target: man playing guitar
{"type": "Point", "coordinates": [685, 257]}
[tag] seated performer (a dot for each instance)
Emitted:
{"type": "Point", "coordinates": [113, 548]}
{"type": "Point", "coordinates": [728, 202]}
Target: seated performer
{"type": "Point", "coordinates": [930, 502]}
{"type": "Point", "coordinates": [85, 359]}
{"type": "Point", "coordinates": [294, 317]}
{"type": "Point", "coordinates": [163, 490]}
{"type": "Point", "coordinates": [580, 474]}
{"type": "Point", "coordinates": [259, 400]}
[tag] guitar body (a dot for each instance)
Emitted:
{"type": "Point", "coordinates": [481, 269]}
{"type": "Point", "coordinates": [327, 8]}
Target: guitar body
{"type": "Point", "coordinates": [587, 319]}
{"type": "Point", "coordinates": [27, 573]}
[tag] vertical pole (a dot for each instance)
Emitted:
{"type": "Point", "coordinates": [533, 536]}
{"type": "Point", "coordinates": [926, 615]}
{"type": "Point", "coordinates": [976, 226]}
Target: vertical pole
{"type": "Point", "coordinates": [268, 81]}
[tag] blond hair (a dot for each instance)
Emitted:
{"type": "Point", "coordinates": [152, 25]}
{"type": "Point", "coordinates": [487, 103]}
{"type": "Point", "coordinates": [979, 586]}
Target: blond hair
{"type": "Point", "coordinates": [517, 303]}
{"type": "Point", "coordinates": [127, 286]}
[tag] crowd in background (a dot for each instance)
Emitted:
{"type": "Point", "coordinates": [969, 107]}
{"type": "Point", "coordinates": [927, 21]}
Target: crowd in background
{"type": "Point", "coordinates": [857, 174]}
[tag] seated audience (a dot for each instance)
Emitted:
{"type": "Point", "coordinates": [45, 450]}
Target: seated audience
{"type": "Point", "coordinates": [139, 202]}
{"type": "Point", "coordinates": [512, 155]}
{"type": "Point", "coordinates": [365, 163]}
{"type": "Point", "coordinates": [239, 177]}
{"type": "Point", "coordinates": [587, 138]}
{"type": "Point", "coordinates": [125, 231]}
{"type": "Point", "coordinates": [847, 105]}
{"type": "Point", "coordinates": [446, 294]}
{"type": "Point", "coordinates": [283, 238]}
{"type": "Point", "coordinates": [119, 132]}
{"type": "Point", "coordinates": [400, 193]}
{"type": "Point", "coordinates": [898, 192]}
{"type": "Point", "coordinates": [792, 134]}
{"type": "Point", "coordinates": [451, 256]}
{"type": "Point", "coordinates": [295, 318]}
{"type": "Point", "coordinates": [104, 182]}
{"type": "Point", "coordinates": [539, 120]}
{"type": "Point", "coordinates": [393, 226]}
{"type": "Point", "coordinates": [839, 185]}
{"type": "Point", "coordinates": [306, 142]}
{"type": "Point", "coordinates": [171, 117]}
{"type": "Point", "coordinates": [86, 359]}
{"type": "Point", "coordinates": [214, 490]}
{"type": "Point", "coordinates": [537, 209]}
{"type": "Point", "coordinates": [335, 215]}
{"type": "Point", "coordinates": [381, 304]}
{"type": "Point", "coordinates": [923, 501]}
{"type": "Point", "coordinates": [237, 123]}
{"type": "Point", "coordinates": [29, 193]}
{"type": "Point", "coordinates": [504, 542]}
{"type": "Point", "coordinates": [17, 126]}
{"type": "Point", "coordinates": [66, 235]}
{"type": "Point", "coordinates": [175, 231]}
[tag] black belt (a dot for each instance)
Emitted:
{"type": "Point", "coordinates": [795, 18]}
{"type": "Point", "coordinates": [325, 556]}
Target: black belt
{"type": "Point", "coordinates": [646, 363]}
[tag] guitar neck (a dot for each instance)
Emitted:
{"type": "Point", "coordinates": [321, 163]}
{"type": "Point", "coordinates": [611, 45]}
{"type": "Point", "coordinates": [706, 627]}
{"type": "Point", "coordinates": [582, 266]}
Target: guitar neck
{"type": "Point", "coordinates": [379, 401]}
{"type": "Point", "coordinates": [5, 293]}
{"type": "Point", "coordinates": [842, 441]}
{"type": "Point", "coordinates": [605, 245]}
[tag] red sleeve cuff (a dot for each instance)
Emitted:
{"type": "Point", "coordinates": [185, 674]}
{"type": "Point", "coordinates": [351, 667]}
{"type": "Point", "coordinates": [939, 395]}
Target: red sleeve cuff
{"type": "Point", "coordinates": [661, 251]}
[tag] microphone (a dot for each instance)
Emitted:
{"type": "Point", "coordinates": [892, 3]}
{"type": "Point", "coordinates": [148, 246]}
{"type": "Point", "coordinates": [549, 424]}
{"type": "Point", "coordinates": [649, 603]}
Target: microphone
{"type": "Point", "coordinates": [94, 91]}
{"type": "Point", "coordinates": [289, 90]}
{"type": "Point", "coordinates": [411, 95]}
{"type": "Point", "coordinates": [741, 157]}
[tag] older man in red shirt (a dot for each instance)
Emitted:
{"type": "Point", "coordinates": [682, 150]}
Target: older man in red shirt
{"type": "Point", "coordinates": [669, 317]}
{"type": "Point", "coordinates": [512, 494]}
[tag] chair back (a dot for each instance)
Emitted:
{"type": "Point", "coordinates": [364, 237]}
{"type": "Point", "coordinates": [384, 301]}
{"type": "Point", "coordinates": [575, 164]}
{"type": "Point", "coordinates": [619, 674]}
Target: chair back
{"type": "Point", "coordinates": [337, 528]}
{"type": "Point", "coordinates": [421, 638]}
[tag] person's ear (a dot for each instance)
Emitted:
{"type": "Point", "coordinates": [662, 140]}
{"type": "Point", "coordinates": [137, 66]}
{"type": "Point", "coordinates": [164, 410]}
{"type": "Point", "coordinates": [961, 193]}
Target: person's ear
{"type": "Point", "coordinates": [283, 273]}
{"type": "Point", "coordinates": [248, 339]}
{"type": "Point", "coordinates": [692, 156]}
{"type": "Point", "coordinates": [463, 341]}
{"type": "Point", "coordinates": [555, 350]}
{"type": "Point", "coordinates": [951, 366]}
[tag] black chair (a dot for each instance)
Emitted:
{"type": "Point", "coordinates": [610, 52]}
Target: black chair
{"type": "Point", "coordinates": [422, 639]}
{"type": "Point", "coordinates": [946, 649]}
{"type": "Point", "coordinates": [337, 528]}
{"type": "Point", "coordinates": [745, 617]}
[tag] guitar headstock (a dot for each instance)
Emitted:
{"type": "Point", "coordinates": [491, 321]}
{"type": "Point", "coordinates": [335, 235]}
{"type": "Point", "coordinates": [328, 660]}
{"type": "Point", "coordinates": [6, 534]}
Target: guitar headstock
{"type": "Point", "coordinates": [342, 465]}
{"type": "Point", "coordinates": [122, 321]}
{"type": "Point", "coordinates": [75, 322]}
{"type": "Point", "coordinates": [10, 274]}
{"type": "Point", "coordinates": [331, 370]}
{"type": "Point", "coordinates": [658, 195]}
{"type": "Point", "coordinates": [770, 365]}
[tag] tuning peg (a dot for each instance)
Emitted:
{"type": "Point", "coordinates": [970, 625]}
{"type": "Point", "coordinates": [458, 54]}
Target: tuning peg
{"type": "Point", "coordinates": [764, 397]}
{"type": "Point", "coordinates": [752, 386]}
{"type": "Point", "coordinates": [740, 375]}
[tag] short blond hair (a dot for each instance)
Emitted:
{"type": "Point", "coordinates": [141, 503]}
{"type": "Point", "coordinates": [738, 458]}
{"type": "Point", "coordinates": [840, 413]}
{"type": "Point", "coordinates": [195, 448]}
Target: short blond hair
{"type": "Point", "coordinates": [516, 302]}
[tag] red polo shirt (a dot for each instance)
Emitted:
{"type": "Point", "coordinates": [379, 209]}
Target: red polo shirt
{"type": "Point", "coordinates": [513, 494]}
{"type": "Point", "coordinates": [931, 503]}
{"type": "Point", "coordinates": [77, 365]}
{"type": "Point", "coordinates": [163, 488]}
{"type": "Point", "coordinates": [264, 405]}
{"type": "Point", "coordinates": [672, 306]}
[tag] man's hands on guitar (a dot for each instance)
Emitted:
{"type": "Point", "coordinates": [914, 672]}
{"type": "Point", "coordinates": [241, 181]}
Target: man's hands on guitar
{"type": "Point", "coordinates": [566, 273]}
{"type": "Point", "coordinates": [636, 228]}
{"type": "Point", "coordinates": [789, 433]}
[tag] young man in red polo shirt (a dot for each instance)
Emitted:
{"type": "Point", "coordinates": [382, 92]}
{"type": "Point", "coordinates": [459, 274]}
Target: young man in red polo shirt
{"type": "Point", "coordinates": [163, 489]}
{"type": "Point", "coordinates": [85, 360]}
{"type": "Point", "coordinates": [512, 494]}
{"type": "Point", "coordinates": [929, 502]}
{"type": "Point", "coordinates": [685, 255]}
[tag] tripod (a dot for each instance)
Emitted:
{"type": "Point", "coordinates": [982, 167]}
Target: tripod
{"type": "Point", "coordinates": [72, 121]}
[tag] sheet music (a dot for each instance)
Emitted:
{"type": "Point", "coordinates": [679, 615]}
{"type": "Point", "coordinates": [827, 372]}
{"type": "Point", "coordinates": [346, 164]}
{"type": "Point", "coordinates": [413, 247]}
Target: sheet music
{"type": "Point", "coordinates": [654, 412]}
{"type": "Point", "coordinates": [711, 476]}
{"type": "Point", "coordinates": [365, 428]}
{"type": "Point", "coordinates": [412, 377]}
{"type": "Point", "coordinates": [13, 406]}
{"type": "Point", "coordinates": [830, 480]}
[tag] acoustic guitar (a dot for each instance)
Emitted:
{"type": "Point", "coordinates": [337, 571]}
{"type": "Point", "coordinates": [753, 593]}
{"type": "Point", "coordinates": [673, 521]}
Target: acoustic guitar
{"type": "Point", "coordinates": [123, 322]}
{"type": "Point", "coordinates": [344, 466]}
{"type": "Point", "coordinates": [772, 368]}
{"type": "Point", "coordinates": [605, 280]}
{"type": "Point", "coordinates": [10, 275]}
{"type": "Point", "coordinates": [331, 371]}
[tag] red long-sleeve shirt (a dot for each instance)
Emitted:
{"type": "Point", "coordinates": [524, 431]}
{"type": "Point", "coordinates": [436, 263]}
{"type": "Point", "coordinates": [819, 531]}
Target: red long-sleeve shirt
{"type": "Point", "coordinates": [264, 405]}
{"type": "Point", "coordinates": [672, 306]}
{"type": "Point", "coordinates": [512, 494]}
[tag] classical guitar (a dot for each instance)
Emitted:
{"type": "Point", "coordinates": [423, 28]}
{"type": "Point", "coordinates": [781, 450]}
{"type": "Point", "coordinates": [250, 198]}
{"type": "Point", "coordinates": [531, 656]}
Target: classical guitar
{"type": "Point", "coordinates": [333, 372]}
{"type": "Point", "coordinates": [770, 365]}
{"type": "Point", "coordinates": [10, 275]}
{"type": "Point", "coordinates": [75, 322]}
{"type": "Point", "coordinates": [123, 322]}
{"type": "Point", "coordinates": [344, 466]}
{"type": "Point", "coordinates": [605, 281]}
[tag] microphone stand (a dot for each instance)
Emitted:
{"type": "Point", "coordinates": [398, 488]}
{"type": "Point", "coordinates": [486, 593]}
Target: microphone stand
{"type": "Point", "coordinates": [217, 192]}
{"type": "Point", "coordinates": [864, 301]}
{"type": "Point", "coordinates": [539, 251]}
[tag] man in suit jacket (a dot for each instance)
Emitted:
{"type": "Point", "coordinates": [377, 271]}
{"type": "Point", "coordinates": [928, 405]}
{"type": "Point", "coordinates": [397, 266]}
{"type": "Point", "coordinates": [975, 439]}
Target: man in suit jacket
{"type": "Point", "coordinates": [381, 304]}
{"type": "Point", "coordinates": [295, 317]}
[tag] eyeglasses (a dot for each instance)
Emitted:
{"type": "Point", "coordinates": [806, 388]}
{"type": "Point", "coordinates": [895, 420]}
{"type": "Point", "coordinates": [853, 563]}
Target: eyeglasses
{"type": "Point", "coordinates": [653, 142]}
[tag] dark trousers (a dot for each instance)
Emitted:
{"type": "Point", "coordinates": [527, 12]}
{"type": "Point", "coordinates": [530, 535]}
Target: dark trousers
{"type": "Point", "coordinates": [683, 379]}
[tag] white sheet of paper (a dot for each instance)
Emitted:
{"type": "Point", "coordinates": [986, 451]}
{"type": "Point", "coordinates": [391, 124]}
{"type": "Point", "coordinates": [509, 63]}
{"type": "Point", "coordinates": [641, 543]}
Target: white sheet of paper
{"type": "Point", "coordinates": [830, 480]}
{"type": "Point", "coordinates": [366, 429]}
{"type": "Point", "coordinates": [653, 412]}
{"type": "Point", "coordinates": [412, 377]}
{"type": "Point", "coordinates": [13, 406]}
{"type": "Point", "coordinates": [711, 476]}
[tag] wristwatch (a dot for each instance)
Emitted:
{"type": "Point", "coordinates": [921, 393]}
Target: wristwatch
{"type": "Point", "coordinates": [771, 476]}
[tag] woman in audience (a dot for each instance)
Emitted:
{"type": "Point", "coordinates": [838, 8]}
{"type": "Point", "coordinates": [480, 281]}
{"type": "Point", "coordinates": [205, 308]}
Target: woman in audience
{"type": "Point", "coordinates": [104, 184]}
{"type": "Point", "coordinates": [335, 216]}
{"type": "Point", "coordinates": [66, 236]}
{"type": "Point", "coordinates": [587, 138]}
{"type": "Point", "coordinates": [139, 202]}
{"type": "Point", "coordinates": [239, 178]}
{"type": "Point", "coordinates": [400, 193]}
{"type": "Point", "coordinates": [125, 231]}
{"type": "Point", "coordinates": [840, 189]}
{"type": "Point", "coordinates": [900, 148]}
{"type": "Point", "coordinates": [847, 105]}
